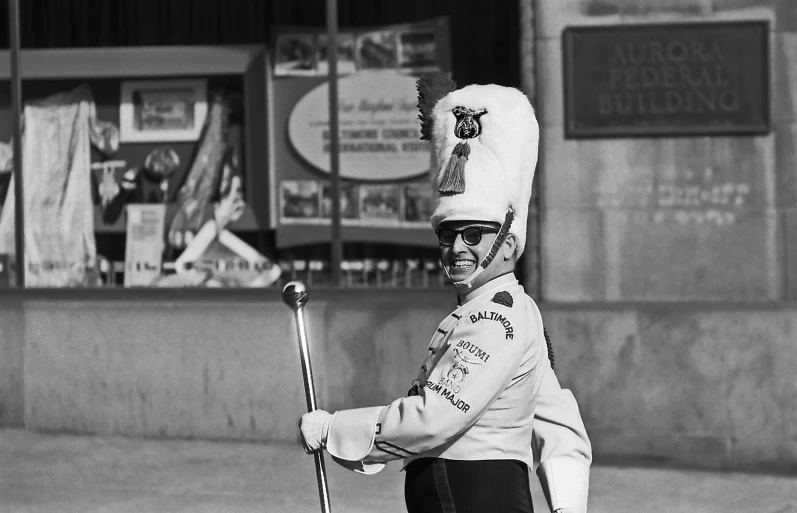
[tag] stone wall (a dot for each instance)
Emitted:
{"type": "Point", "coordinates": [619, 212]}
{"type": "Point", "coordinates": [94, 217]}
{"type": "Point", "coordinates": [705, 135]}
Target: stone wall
{"type": "Point", "coordinates": [701, 385]}
{"type": "Point", "coordinates": [619, 224]}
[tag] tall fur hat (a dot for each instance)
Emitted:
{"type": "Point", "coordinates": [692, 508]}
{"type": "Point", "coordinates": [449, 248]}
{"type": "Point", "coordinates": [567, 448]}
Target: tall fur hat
{"type": "Point", "coordinates": [485, 140]}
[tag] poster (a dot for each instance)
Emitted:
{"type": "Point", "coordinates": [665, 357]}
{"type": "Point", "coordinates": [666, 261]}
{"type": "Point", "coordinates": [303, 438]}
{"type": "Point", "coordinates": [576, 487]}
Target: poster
{"type": "Point", "coordinates": [146, 224]}
{"type": "Point", "coordinates": [380, 204]}
{"type": "Point", "coordinates": [348, 202]}
{"type": "Point", "coordinates": [346, 61]}
{"type": "Point", "coordinates": [417, 50]}
{"type": "Point", "coordinates": [300, 201]}
{"type": "Point", "coordinates": [295, 54]}
{"type": "Point", "coordinates": [309, 202]}
{"type": "Point", "coordinates": [418, 204]}
{"type": "Point", "coordinates": [377, 50]}
{"type": "Point", "coordinates": [379, 134]}
{"type": "Point", "coordinates": [409, 48]}
{"type": "Point", "coordinates": [162, 110]}
{"type": "Point", "coordinates": [383, 163]}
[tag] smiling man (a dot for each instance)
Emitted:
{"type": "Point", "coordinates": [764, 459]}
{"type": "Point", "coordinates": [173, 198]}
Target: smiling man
{"type": "Point", "coordinates": [486, 406]}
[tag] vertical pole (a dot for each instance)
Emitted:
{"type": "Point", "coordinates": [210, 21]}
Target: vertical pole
{"type": "Point", "coordinates": [532, 258]}
{"type": "Point", "coordinates": [334, 142]}
{"type": "Point", "coordinates": [16, 131]}
{"type": "Point", "coordinates": [296, 295]}
{"type": "Point", "coordinates": [312, 405]}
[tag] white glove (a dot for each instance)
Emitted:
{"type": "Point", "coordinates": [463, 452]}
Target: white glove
{"type": "Point", "coordinates": [314, 427]}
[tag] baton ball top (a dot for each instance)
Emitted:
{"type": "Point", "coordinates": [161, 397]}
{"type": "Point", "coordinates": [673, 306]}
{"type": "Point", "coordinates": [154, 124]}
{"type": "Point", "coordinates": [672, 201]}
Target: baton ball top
{"type": "Point", "coordinates": [295, 294]}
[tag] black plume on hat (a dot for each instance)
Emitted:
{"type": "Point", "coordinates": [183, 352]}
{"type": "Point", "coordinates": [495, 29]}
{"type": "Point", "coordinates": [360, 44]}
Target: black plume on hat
{"type": "Point", "coordinates": [431, 88]}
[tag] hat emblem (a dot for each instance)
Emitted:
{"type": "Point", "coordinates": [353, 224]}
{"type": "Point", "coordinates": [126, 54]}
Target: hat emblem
{"type": "Point", "coordinates": [468, 125]}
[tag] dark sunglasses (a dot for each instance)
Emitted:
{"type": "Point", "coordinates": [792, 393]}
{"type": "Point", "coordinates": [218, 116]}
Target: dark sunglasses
{"type": "Point", "coordinates": [472, 235]}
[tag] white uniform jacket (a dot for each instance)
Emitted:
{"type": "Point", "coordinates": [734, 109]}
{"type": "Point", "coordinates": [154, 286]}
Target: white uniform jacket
{"type": "Point", "coordinates": [561, 447]}
{"type": "Point", "coordinates": [477, 399]}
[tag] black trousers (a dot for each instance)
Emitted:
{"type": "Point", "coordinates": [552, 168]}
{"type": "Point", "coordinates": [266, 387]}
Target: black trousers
{"type": "Point", "coordinates": [435, 485]}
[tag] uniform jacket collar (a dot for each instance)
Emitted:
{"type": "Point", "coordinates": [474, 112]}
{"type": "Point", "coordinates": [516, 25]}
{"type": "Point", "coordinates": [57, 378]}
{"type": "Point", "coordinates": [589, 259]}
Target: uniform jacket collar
{"type": "Point", "coordinates": [507, 280]}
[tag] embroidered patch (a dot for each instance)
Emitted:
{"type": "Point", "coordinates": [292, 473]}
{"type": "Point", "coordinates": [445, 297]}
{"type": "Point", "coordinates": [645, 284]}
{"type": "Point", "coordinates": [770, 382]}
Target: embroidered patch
{"type": "Point", "coordinates": [464, 346]}
{"type": "Point", "coordinates": [495, 316]}
{"type": "Point", "coordinates": [460, 370]}
{"type": "Point", "coordinates": [503, 298]}
{"type": "Point", "coordinates": [449, 395]}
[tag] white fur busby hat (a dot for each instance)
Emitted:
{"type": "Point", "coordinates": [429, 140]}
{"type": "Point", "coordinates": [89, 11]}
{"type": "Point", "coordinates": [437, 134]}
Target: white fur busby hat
{"type": "Point", "coordinates": [485, 141]}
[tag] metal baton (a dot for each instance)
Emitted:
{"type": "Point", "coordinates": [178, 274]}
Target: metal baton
{"type": "Point", "coordinates": [295, 295]}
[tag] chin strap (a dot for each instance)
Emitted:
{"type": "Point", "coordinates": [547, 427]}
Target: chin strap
{"type": "Point", "coordinates": [487, 260]}
{"type": "Point", "coordinates": [464, 283]}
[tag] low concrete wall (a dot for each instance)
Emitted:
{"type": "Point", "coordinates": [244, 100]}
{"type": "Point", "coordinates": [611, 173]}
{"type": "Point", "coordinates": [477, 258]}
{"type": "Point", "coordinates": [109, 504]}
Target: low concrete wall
{"type": "Point", "coordinates": [12, 343]}
{"type": "Point", "coordinates": [158, 369]}
{"type": "Point", "coordinates": [704, 385]}
{"type": "Point", "coordinates": [210, 369]}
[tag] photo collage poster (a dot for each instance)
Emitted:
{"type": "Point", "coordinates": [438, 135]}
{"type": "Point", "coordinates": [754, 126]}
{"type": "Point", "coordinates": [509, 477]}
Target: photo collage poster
{"type": "Point", "coordinates": [399, 205]}
{"type": "Point", "coordinates": [405, 48]}
{"type": "Point", "coordinates": [409, 50]}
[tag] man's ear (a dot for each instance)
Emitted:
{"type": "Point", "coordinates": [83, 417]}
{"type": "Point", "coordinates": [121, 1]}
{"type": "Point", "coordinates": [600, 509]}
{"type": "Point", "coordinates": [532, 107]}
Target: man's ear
{"type": "Point", "coordinates": [509, 246]}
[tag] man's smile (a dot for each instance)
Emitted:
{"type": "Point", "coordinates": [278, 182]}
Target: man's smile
{"type": "Point", "coordinates": [462, 263]}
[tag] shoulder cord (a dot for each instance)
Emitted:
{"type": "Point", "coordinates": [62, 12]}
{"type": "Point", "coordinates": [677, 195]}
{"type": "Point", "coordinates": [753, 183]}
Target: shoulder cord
{"type": "Point", "coordinates": [548, 343]}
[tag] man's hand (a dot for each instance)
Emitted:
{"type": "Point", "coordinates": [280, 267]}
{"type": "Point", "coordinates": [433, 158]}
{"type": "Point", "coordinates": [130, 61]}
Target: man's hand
{"type": "Point", "coordinates": [231, 207]}
{"type": "Point", "coordinates": [567, 510]}
{"type": "Point", "coordinates": [314, 427]}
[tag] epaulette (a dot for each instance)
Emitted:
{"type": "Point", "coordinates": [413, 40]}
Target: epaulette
{"type": "Point", "coordinates": [549, 344]}
{"type": "Point", "coordinates": [503, 298]}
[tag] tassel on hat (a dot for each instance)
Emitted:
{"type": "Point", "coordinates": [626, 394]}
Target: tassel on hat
{"type": "Point", "coordinates": [431, 88]}
{"type": "Point", "coordinates": [466, 127]}
{"type": "Point", "coordinates": [454, 176]}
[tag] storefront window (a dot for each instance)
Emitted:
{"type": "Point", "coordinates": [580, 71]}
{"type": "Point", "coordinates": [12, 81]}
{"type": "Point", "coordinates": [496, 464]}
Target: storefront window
{"type": "Point", "coordinates": [123, 178]}
{"type": "Point", "coordinates": [222, 178]}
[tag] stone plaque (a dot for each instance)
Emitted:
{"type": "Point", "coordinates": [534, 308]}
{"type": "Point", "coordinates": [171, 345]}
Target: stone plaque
{"type": "Point", "coordinates": [667, 80]}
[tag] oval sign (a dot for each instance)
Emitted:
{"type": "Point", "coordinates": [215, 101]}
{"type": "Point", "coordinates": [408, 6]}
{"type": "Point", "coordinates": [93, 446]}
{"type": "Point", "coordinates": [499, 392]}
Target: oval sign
{"type": "Point", "coordinates": [379, 127]}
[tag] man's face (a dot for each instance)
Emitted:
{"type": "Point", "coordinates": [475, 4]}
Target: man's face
{"type": "Point", "coordinates": [460, 259]}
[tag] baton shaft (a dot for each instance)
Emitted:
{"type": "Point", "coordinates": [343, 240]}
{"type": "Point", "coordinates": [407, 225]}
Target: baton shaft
{"type": "Point", "coordinates": [307, 370]}
{"type": "Point", "coordinates": [323, 488]}
{"type": "Point", "coordinates": [309, 394]}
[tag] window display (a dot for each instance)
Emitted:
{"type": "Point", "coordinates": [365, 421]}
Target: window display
{"type": "Point", "coordinates": [152, 180]}
{"type": "Point", "coordinates": [159, 200]}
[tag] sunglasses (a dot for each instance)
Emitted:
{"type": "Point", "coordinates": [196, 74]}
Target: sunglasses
{"type": "Point", "coordinates": [472, 235]}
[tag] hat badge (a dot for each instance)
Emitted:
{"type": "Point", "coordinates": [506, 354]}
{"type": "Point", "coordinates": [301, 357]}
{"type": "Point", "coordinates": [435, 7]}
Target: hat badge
{"type": "Point", "coordinates": [467, 127]}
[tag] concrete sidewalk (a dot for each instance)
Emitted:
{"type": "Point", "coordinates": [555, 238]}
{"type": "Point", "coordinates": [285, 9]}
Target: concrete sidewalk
{"type": "Point", "coordinates": [60, 473]}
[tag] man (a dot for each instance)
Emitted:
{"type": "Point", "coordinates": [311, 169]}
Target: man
{"type": "Point", "coordinates": [486, 405]}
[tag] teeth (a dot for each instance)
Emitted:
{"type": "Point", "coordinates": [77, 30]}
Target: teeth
{"type": "Point", "coordinates": [463, 263]}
